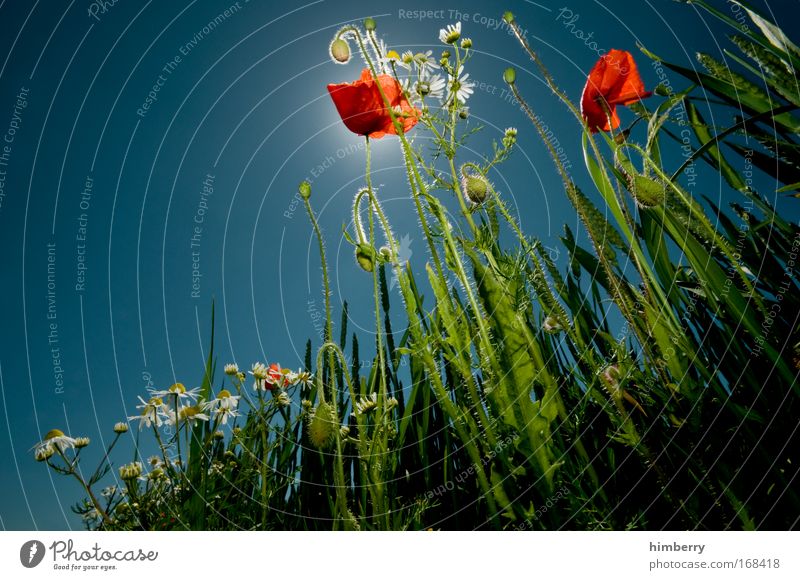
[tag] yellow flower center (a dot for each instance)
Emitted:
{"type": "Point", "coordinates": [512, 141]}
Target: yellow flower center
{"type": "Point", "coordinates": [224, 394]}
{"type": "Point", "coordinates": [53, 433]}
{"type": "Point", "coordinates": [177, 389]}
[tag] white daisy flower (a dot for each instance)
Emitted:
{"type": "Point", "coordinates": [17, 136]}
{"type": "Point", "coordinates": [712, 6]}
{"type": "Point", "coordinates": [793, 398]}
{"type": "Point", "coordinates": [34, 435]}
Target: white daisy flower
{"type": "Point", "coordinates": [152, 412]}
{"type": "Point", "coordinates": [283, 399]}
{"type": "Point", "coordinates": [367, 404]}
{"type": "Point", "coordinates": [259, 371]}
{"type": "Point", "coordinates": [177, 390]}
{"type": "Point", "coordinates": [44, 452]}
{"type": "Point", "coordinates": [55, 439]}
{"type": "Point", "coordinates": [303, 378]}
{"type": "Point", "coordinates": [187, 414]}
{"type": "Point", "coordinates": [425, 61]}
{"type": "Point", "coordinates": [451, 33]}
{"type": "Point", "coordinates": [392, 57]}
{"type": "Point", "coordinates": [224, 406]}
{"type": "Point", "coordinates": [459, 86]}
{"type": "Point", "coordinates": [431, 85]}
{"type": "Point", "coordinates": [130, 471]}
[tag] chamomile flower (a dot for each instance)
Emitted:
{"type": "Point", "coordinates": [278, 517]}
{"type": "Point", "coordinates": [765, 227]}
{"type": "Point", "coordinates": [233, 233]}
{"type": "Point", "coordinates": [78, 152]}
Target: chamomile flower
{"type": "Point", "coordinates": [431, 85]}
{"type": "Point", "coordinates": [130, 471]}
{"type": "Point", "coordinates": [303, 378]}
{"type": "Point", "coordinates": [367, 404]}
{"type": "Point", "coordinates": [44, 452]}
{"type": "Point", "coordinates": [81, 442]}
{"type": "Point", "coordinates": [392, 57]}
{"type": "Point", "coordinates": [259, 371]}
{"type": "Point", "coordinates": [56, 440]}
{"type": "Point", "coordinates": [177, 390]}
{"type": "Point", "coordinates": [187, 414]}
{"type": "Point", "coordinates": [451, 33]}
{"type": "Point", "coordinates": [406, 60]}
{"type": "Point", "coordinates": [152, 412]}
{"type": "Point", "coordinates": [231, 369]}
{"type": "Point", "coordinates": [283, 399]}
{"type": "Point", "coordinates": [459, 86]}
{"type": "Point", "coordinates": [120, 428]}
{"type": "Point", "coordinates": [224, 406]}
{"type": "Point", "coordinates": [425, 61]}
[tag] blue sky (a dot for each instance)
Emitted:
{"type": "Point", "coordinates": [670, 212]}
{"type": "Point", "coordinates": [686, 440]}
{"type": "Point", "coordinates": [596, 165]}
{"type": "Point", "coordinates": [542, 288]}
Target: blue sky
{"type": "Point", "coordinates": [155, 152]}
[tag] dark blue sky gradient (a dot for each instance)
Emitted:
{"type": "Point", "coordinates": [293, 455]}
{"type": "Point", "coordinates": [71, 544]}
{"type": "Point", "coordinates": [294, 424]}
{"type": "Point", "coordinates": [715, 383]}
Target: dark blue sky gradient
{"type": "Point", "coordinates": [244, 114]}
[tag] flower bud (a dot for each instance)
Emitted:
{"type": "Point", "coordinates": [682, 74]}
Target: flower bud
{"type": "Point", "coordinates": [466, 43]}
{"type": "Point", "coordinates": [463, 113]}
{"type": "Point", "coordinates": [340, 51]}
{"type": "Point", "coordinates": [130, 471]}
{"type": "Point", "coordinates": [369, 24]}
{"type": "Point", "coordinates": [120, 428]}
{"type": "Point", "coordinates": [321, 427]}
{"type": "Point", "coordinates": [365, 256]}
{"type": "Point", "coordinates": [510, 75]}
{"type": "Point", "coordinates": [508, 17]}
{"type": "Point", "coordinates": [509, 137]}
{"type": "Point", "coordinates": [304, 189]}
{"type": "Point", "coordinates": [474, 185]}
{"type": "Point", "coordinates": [81, 442]}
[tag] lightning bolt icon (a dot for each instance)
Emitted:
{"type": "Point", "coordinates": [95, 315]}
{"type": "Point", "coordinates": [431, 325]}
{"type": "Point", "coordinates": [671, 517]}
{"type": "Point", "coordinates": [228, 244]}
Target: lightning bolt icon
{"type": "Point", "coordinates": [34, 549]}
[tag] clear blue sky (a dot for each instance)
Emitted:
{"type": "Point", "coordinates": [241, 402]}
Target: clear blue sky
{"type": "Point", "coordinates": [144, 122]}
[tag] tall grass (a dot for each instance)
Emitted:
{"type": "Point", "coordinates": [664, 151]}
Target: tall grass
{"type": "Point", "coordinates": [512, 401]}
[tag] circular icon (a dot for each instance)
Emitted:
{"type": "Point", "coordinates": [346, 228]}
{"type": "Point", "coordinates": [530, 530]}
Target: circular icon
{"type": "Point", "coordinates": [31, 553]}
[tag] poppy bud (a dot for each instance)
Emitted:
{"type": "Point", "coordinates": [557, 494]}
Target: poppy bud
{"type": "Point", "coordinates": [340, 51]}
{"type": "Point", "coordinates": [647, 192]}
{"type": "Point", "coordinates": [365, 256]}
{"type": "Point", "coordinates": [474, 185]}
{"type": "Point", "coordinates": [304, 189]}
{"type": "Point", "coordinates": [321, 427]}
{"type": "Point", "coordinates": [510, 75]}
{"type": "Point", "coordinates": [508, 17]}
{"type": "Point", "coordinates": [369, 24]}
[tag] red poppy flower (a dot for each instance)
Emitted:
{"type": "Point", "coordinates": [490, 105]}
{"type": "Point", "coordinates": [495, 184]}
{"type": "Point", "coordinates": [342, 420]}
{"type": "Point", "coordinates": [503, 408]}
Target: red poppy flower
{"type": "Point", "coordinates": [615, 80]}
{"type": "Point", "coordinates": [362, 108]}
